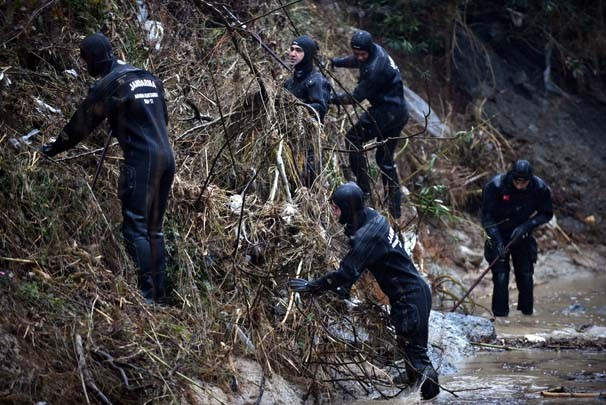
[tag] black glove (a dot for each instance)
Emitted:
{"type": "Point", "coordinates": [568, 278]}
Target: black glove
{"type": "Point", "coordinates": [502, 250]}
{"type": "Point", "coordinates": [302, 285]}
{"type": "Point", "coordinates": [49, 149]}
{"type": "Point", "coordinates": [520, 232]}
{"type": "Point", "coordinates": [331, 64]}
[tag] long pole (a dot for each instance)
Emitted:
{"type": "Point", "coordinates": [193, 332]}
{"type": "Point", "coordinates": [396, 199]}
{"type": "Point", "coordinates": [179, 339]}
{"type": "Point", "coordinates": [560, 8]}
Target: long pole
{"type": "Point", "coordinates": [460, 301]}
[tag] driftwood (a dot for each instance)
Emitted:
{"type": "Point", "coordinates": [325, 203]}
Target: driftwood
{"type": "Point", "coordinates": [562, 392]}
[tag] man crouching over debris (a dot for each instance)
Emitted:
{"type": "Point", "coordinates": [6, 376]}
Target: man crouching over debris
{"type": "Point", "coordinates": [133, 101]}
{"type": "Point", "coordinates": [375, 246]}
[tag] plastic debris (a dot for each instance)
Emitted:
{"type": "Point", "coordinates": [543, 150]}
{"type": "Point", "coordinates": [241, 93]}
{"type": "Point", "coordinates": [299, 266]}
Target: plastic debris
{"type": "Point", "coordinates": [235, 203]}
{"type": "Point", "coordinates": [534, 338]}
{"type": "Point", "coordinates": [25, 139]}
{"type": "Point", "coordinates": [155, 30]}
{"type": "Point", "coordinates": [289, 212]}
{"type": "Point", "coordinates": [42, 107]}
{"type": "Point", "coordinates": [4, 79]}
{"type": "Point", "coordinates": [71, 72]}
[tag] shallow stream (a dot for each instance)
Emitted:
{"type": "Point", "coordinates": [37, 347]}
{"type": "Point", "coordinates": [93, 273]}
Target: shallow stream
{"type": "Point", "coordinates": [570, 306]}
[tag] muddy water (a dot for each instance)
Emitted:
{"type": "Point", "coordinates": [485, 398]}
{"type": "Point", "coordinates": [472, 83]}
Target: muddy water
{"type": "Point", "coordinates": [518, 377]}
{"type": "Point", "coordinates": [562, 304]}
{"type": "Point", "coordinates": [569, 305]}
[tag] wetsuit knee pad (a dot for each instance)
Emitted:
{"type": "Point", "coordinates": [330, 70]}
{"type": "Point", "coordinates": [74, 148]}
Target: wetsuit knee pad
{"type": "Point", "coordinates": [500, 277]}
{"type": "Point", "coordinates": [405, 319]}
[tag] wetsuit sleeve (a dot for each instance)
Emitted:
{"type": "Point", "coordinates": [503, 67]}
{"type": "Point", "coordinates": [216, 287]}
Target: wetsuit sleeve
{"type": "Point", "coordinates": [342, 99]}
{"type": "Point", "coordinates": [319, 94]}
{"type": "Point", "coordinates": [489, 206]}
{"type": "Point", "coordinates": [368, 248]}
{"type": "Point", "coordinates": [372, 84]}
{"type": "Point", "coordinates": [91, 112]}
{"type": "Point", "coordinates": [346, 62]}
{"type": "Point", "coordinates": [544, 209]}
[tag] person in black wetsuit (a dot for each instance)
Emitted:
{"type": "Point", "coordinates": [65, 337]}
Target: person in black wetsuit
{"type": "Point", "coordinates": [381, 84]}
{"type": "Point", "coordinates": [376, 247]}
{"type": "Point", "coordinates": [309, 86]}
{"type": "Point", "coordinates": [132, 100]}
{"type": "Point", "coordinates": [514, 203]}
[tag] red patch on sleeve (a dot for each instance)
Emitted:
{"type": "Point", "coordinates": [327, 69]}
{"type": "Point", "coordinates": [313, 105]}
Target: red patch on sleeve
{"type": "Point", "coordinates": [505, 197]}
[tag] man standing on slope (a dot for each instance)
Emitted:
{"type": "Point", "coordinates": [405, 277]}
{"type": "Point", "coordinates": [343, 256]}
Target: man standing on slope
{"type": "Point", "coordinates": [381, 84]}
{"type": "Point", "coordinates": [132, 99]}
{"type": "Point", "coordinates": [309, 86]}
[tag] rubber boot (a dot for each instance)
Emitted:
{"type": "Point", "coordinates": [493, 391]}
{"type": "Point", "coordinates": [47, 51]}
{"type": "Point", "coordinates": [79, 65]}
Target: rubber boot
{"type": "Point", "coordinates": [408, 378]}
{"type": "Point", "coordinates": [524, 283]}
{"type": "Point", "coordinates": [431, 386]}
{"type": "Point", "coordinates": [500, 293]}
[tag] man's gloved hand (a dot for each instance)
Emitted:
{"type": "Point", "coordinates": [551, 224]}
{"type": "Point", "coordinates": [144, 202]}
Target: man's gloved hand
{"type": "Point", "coordinates": [49, 149]}
{"type": "Point", "coordinates": [520, 232]}
{"type": "Point", "coordinates": [302, 285]}
{"type": "Point", "coordinates": [502, 250]}
{"type": "Point", "coordinates": [330, 65]}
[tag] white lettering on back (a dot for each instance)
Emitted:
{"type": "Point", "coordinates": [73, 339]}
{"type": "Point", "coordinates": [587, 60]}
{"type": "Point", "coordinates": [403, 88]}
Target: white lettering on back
{"type": "Point", "coordinates": [135, 84]}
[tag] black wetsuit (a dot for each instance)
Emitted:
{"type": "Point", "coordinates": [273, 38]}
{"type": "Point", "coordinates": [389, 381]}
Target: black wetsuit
{"type": "Point", "coordinates": [376, 247]}
{"type": "Point", "coordinates": [132, 100]}
{"type": "Point", "coordinates": [381, 84]}
{"type": "Point", "coordinates": [505, 208]}
{"type": "Point", "coordinates": [312, 88]}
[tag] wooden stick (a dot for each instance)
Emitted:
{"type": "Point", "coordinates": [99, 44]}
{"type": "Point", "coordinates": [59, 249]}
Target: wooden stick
{"type": "Point", "coordinates": [480, 278]}
{"type": "Point", "coordinates": [574, 245]}
{"type": "Point", "coordinates": [551, 394]}
{"type": "Point", "coordinates": [497, 346]}
{"type": "Point", "coordinates": [86, 375]}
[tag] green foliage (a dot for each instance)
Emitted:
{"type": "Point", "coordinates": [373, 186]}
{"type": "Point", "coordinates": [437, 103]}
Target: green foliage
{"type": "Point", "coordinates": [575, 27]}
{"type": "Point", "coordinates": [29, 292]}
{"type": "Point", "coordinates": [411, 27]}
{"type": "Point", "coordinates": [429, 201]}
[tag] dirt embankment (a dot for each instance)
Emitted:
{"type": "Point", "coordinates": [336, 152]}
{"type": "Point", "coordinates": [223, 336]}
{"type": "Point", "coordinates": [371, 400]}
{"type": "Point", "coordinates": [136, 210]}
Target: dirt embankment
{"type": "Point", "coordinates": [517, 83]}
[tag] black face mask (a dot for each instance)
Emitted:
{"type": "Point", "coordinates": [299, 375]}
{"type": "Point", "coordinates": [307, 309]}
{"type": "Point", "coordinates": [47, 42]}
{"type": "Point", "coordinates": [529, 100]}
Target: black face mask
{"type": "Point", "coordinates": [310, 48]}
{"type": "Point", "coordinates": [350, 199]}
{"type": "Point", "coordinates": [97, 52]}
